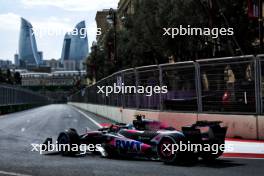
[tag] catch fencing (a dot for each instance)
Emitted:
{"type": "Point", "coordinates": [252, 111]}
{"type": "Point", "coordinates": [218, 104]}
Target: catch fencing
{"type": "Point", "coordinates": [13, 96]}
{"type": "Point", "coordinates": [232, 85]}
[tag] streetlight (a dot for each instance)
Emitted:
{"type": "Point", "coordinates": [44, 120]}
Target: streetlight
{"type": "Point", "coordinates": [111, 18]}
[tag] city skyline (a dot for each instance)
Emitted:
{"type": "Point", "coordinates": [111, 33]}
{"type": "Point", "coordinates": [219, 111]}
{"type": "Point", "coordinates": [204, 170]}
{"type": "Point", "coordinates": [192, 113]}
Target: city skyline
{"type": "Point", "coordinates": [45, 15]}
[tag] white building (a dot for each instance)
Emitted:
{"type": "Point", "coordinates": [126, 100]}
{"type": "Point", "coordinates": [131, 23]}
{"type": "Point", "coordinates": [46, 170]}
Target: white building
{"type": "Point", "coordinates": [57, 78]}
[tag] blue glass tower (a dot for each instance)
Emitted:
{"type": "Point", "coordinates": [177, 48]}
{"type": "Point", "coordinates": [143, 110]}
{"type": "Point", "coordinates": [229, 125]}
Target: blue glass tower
{"type": "Point", "coordinates": [28, 52]}
{"type": "Point", "coordinates": [75, 45]}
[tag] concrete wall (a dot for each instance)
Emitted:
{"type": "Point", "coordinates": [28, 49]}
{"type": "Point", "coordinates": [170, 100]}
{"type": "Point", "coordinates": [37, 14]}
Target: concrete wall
{"type": "Point", "coordinates": [109, 112]}
{"type": "Point", "coordinates": [242, 126]}
{"type": "Point", "coordinates": [177, 120]}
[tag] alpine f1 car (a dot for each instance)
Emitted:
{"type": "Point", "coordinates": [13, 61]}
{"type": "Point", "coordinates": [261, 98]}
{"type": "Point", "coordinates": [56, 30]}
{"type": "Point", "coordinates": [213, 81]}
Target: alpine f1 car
{"type": "Point", "coordinates": [149, 139]}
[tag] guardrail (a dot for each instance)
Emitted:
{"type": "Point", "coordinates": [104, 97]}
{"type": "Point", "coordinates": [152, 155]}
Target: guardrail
{"type": "Point", "coordinates": [11, 96]}
{"type": "Point", "coordinates": [231, 85]}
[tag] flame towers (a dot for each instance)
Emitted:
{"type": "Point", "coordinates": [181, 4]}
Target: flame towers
{"type": "Point", "coordinates": [74, 51]}
{"type": "Point", "coordinates": [75, 46]}
{"type": "Point", "coordinates": [28, 52]}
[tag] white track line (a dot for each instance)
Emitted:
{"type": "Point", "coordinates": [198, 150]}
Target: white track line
{"type": "Point", "coordinates": [13, 173]}
{"type": "Point", "coordinates": [85, 115]}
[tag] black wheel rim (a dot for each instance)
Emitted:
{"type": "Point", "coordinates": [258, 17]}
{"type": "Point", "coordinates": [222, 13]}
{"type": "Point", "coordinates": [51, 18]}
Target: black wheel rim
{"type": "Point", "coordinates": [166, 155]}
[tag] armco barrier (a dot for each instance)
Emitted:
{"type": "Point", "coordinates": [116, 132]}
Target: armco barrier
{"type": "Point", "coordinates": [14, 98]}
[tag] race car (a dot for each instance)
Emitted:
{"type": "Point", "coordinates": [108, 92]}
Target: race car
{"type": "Point", "coordinates": [149, 139]}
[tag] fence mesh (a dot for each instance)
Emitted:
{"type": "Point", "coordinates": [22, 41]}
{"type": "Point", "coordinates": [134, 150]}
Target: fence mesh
{"type": "Point", "coordinates": [228, 85]}
{"type": "Point", "coordinates": [10, 95]}
{"type": "Point", "coordinates": [224, 85]}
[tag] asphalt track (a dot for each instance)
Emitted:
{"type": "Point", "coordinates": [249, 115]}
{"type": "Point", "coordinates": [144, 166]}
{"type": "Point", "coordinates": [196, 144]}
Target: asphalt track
{"type": "Point", "coordinates": [19, 130]}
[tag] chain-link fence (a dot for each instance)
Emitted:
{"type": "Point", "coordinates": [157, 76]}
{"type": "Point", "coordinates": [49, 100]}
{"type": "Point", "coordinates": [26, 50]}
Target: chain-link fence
{"type": "Point", "coordinates": [12, 96]}
{"type": "Point", "coordinates": [261, 82]}
{"type": "Point", "coordinates": [228, 84]}
{"type": "Point", "coordinates": [223, 85]}
{"type": "Point", "coordinates": [181, 82]}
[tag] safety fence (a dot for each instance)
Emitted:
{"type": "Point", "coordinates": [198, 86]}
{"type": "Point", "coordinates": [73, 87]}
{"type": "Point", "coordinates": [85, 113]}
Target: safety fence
{"type": "Point", "coordinates": [14, 96]}
{"type": "Point", "coordinates": [219, 85]}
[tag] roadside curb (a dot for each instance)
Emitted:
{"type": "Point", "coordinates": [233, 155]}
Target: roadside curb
{"type": "Point", "coordinates": [245, 149]}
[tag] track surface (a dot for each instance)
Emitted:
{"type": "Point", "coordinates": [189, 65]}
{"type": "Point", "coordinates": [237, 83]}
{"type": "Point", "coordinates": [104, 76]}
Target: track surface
{"type": "Point", "coordinates": [19, 130]}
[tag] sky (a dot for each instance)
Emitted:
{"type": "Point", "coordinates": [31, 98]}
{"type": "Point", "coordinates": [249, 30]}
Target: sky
{"type": "Point", "coordinates": [50, 20]}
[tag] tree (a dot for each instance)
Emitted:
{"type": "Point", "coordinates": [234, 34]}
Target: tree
{"type": "Point", "coordinates": [1, 76]}
{"type": "Point", "coordinates": [9, 78]}
{"type": "Point", "coordinates": [17, 78]}
{"type": "Point", "coordinates": [141, 41]}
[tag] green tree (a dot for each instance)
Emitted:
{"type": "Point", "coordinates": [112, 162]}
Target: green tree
{"type": "Point", "coordinates": [141, 41]}
{"type": "Point", "coordinates": [9, 78]}
{"type": "Point", "coordinates": [1, 76]}
{"type": "Point", "coordinates": [17, 78]}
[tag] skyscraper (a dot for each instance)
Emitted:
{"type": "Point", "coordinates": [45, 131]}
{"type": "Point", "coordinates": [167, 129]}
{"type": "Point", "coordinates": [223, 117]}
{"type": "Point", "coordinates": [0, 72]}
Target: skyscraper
{"type": "Point", "coordinates": [16, 60]}
{"type": "Point", "coordinates": [28, 52]}
{"type": "Point", "coordinates": [75, 45]}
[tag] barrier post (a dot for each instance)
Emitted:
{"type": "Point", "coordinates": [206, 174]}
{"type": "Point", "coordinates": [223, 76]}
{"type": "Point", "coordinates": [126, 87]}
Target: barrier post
{"type": "Point", "coordinates": [258, 93]}
{"type": "Point", "coordinates": [198, 87]}
{"type": "Point", "coordinates": [137, 95]}
{"type": "Point", "coordinates": [161, 84]}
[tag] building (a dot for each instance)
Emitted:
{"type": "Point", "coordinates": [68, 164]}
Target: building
{"type": "Point", "coordinates": [16, 60]}
{"type": "Point", "coordinates": [40, 54]}
{"type": "Point", "coordinates": [126, 7]}
{"type": "Point", "coordinates": [75, 47]}
{"type": "Point", "coordinates": [28, 52]}
{"type": "Point", "coordinates": [69, 65]}
{"type": "Point", "coordinates": [102, 24]}
{"type": "Point", "coordinates": [57, 78]}
{"type": "Point", "coordinates": [6, 64]}
{"type": "Point", "coordinates": [54, 64]}
{"type": "Point", "coordinates": [39, 69]}
{"type": "Point", "coordinates": [83, 65]}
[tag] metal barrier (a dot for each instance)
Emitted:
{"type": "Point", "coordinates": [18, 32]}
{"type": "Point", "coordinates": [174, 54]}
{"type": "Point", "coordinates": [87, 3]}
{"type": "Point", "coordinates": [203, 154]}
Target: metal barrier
{"type": "Point", "coordinates": [180, 79]}
{"type": "Point", "coordinates": [228, 84]}
{"type": "Point", "coordinates": [260, 83]}
{"type": "Point", "coordinates": [129, 78]}
{"type": "Point", "coordinates": [148, 76]}
{"type": "Point", "coordinates": [11, 96]}
{"type": "Point", "coordinates": [218, 85]}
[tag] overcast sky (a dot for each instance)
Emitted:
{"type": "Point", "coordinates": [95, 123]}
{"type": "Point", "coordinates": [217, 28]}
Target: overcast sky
{"type": "Point", "coordinates": [47, 15]}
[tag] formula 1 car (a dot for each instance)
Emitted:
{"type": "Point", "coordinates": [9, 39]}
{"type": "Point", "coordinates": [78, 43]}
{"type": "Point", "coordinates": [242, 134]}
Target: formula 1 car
{"type": "Point", "coordinates": [148, 139]}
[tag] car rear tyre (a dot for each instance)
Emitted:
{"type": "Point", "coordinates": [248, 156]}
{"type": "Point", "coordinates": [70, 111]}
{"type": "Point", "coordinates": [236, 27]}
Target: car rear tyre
{"type": "Point", "coordinates": [166, 154]}
{"type": "Point", "coordinates": [210, 155]}
{"type": "Point", "coordinates": [69, 143]}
